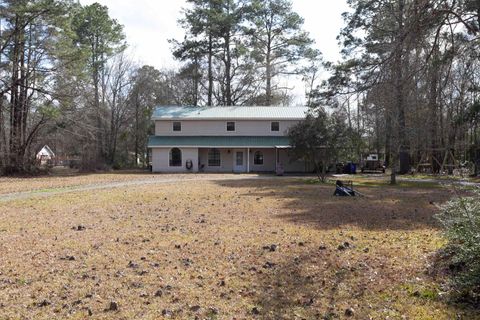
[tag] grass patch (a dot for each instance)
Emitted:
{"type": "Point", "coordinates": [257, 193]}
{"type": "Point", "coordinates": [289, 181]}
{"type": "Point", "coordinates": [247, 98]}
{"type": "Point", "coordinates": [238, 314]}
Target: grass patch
{"type": "Point", "coordinates": [52, 190]}
{"type": "Point", "coordinates": [377, 183]}
{"type": "Point", "coordinates": [428, 293]}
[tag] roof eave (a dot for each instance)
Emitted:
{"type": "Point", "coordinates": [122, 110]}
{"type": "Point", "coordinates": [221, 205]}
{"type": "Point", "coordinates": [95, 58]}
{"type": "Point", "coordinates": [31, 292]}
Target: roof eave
{"type": "Point", "coordinates": [224, 147]}
{"type": "Point", "coordinates": [227, 118]}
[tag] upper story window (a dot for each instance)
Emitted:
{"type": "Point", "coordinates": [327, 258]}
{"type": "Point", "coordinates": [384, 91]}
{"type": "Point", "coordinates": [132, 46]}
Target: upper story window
{"type": "Point", "coordinates": [230, 126]}
{"type": "Point", "coordinates": [275, 126]}
{"type": "Point", "coordinates": [177, 126]}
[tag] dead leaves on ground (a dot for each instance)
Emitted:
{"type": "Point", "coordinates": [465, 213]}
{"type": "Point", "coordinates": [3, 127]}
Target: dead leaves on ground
{"type": "Point", "coordinates": [225, 250]}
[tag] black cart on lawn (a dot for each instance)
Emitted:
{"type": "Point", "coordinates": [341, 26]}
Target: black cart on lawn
{"type": "Point", "coordinates": [342, 190]}
{"type": "Point", "coordinates": [345, 189]}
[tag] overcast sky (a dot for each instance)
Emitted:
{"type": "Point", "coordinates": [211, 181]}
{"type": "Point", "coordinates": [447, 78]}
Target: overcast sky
{"type": "Point", "coordinates": [150, 23]}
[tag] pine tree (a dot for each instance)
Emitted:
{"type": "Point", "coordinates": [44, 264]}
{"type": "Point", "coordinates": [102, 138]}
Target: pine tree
{"type": "Point", "coordinates": [279, 41]}
{"type": "Point", "coordinates": [32, 47]}
{"type": "Point", "coordinates": [101, 37]}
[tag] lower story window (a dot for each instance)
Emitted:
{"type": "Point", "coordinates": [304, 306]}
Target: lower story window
{"type": "Point", "coordinates": [213, 158]}
{"type": "Point", "coordinates": [175, 157]}
{"type": "Point", "coordinates": [258, 158]}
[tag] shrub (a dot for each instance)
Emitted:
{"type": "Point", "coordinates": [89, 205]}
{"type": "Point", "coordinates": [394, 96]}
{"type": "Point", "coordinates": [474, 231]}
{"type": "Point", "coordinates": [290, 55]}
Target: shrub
{"type": "Point", "coordinates": [461, 219]}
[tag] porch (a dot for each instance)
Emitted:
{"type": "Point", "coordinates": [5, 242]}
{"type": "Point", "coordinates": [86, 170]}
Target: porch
{"type": "Point", "coordinates": [223, 154]}
{"type": "Point", "coordinates": [237, 159]}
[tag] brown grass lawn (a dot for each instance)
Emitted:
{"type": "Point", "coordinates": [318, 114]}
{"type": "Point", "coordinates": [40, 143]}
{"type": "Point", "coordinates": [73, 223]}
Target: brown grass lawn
{"type": "Point", "coordinates": [233, 249]}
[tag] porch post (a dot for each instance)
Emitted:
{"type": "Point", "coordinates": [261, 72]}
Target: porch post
{"type": "Point", "coordinates": [248, 160]}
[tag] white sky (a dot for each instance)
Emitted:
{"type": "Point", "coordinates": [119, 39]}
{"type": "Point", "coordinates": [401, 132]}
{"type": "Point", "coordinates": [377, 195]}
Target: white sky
{"type": "Point", "coordinates": [150, 23]}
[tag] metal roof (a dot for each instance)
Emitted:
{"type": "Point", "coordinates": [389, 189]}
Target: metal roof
{"type": "Point", "coordinates": [218, 141]}
{"type": "Point", "coordinates": [230, 113]}
{"type": "Point", "coordinates": [48, 150]}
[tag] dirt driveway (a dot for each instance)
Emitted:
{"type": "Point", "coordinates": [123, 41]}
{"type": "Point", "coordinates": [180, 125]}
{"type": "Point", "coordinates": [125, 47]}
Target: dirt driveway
{"type": "Point", "coordinates": [25, 188]}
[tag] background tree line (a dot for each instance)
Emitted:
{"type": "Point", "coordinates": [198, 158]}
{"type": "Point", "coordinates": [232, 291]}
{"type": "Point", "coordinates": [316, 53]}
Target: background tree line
{"type": "Point", "coordinates": [67, 80]}
{"type": "Point", "coordinates": [407, 85]}
{"type": "Point", "coordinates": [409, 81]}
{"type": "Point", "coordinates": [238, 51]}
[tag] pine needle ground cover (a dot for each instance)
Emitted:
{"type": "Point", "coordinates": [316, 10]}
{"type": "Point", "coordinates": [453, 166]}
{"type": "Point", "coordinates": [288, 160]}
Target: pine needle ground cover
{"type": "Point", "coordinates": [231, 249]}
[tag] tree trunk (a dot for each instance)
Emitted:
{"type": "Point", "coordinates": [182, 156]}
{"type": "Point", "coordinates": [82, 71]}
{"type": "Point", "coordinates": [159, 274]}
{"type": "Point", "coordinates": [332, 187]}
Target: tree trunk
{"type": "Point", "coordinates": [324, 171]}
{"type": "Point", "coordinates": [3, 141]}
{"type": "Point", "coordinates": [3, 148]}
{"type": "Point", "coordinates": [388, 137]}
{"type": "Point", "coordinates": [96, 83]}
{"type": "Point", "coordinates": [137, 108]}
{"type": "Point", "coordinates": [268, 75]}
{"type": "Point", "coordinates": [404, 155]}
{"type": "Point", "coordinates": [210, 72]}
{"type": "Point", "coordinates": [393, 174]}
{"type": "Point", "coordinates": [228, 67]}
{"type": "Point", "coordinates": [433, 93]}
{"type": "Point", "coordinates": [113, 128]}
{"type": "Point", "coordinates": [15, 111]}
{"type": "Point", "coordinates": [195, 82]}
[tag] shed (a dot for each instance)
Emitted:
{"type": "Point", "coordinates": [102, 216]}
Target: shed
{"type": "Point", "coordinates": [45, 155]}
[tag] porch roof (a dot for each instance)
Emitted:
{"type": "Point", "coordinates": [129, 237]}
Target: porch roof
{"type": "Point", "coordinates": [218, 141]}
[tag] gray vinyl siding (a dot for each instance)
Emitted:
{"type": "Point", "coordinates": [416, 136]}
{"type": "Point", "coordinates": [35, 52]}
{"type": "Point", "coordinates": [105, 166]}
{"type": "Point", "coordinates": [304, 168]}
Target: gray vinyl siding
{"type": "Point", "coordinates": [161, 157]}
{"type": "Point", "coordinates": [226, 161]}
{"type": "Point", "coordinates": [160, 160]}
{"type": "Point", "coordinates": [268, 160]}
{"type": "Point", "coordinates": [219, 128]}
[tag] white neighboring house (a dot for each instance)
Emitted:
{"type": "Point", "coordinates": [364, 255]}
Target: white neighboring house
{"type": "Point", "coordinates": [224, 139]}
{"type": "Point", "coordinates": [45, 155]}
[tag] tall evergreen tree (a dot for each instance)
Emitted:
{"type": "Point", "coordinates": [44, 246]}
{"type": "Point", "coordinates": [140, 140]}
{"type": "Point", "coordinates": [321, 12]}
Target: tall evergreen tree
{"type": "Point", "coordinates": [279, 41]}
{"type": "Point", "coordinates": [201, 43]}
{"type": "Point", "coordinates": [216, 38]}
{"type": "Point", "coordinates": [101, 37]}
{"type": "Point", "coordinates": [32, 47]}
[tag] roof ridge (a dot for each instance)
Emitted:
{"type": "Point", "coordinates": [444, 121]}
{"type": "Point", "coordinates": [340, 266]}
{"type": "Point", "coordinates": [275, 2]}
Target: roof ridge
{"type": "Point", "coordinates": [220, 106]}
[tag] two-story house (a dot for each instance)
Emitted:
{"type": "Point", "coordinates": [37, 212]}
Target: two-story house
{"type": "Point", "coordinates": [224, 139]}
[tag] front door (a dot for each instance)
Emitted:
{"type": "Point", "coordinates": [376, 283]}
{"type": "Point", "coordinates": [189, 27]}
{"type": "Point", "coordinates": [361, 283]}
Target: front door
{"type": "Point", "coordinates": [239, 161]}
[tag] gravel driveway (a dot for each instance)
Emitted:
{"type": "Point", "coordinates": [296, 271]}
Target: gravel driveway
{"type": "Point", "coordinates": [154, 179]}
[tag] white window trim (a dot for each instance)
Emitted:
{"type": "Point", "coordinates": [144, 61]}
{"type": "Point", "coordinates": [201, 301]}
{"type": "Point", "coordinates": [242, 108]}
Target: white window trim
{"type": "Point", "coordinates": [208, 162]}
{"type": "Point", "coordinates": [263, 158]}
{"type": "Point", "coordinates": [181, 158]}
{"type": "Point", "coordinates": [234, 126]}
{"type": "Point", "coordinates": [173, 125]}
{"type": "Point", "coordinates": [278, 126]}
